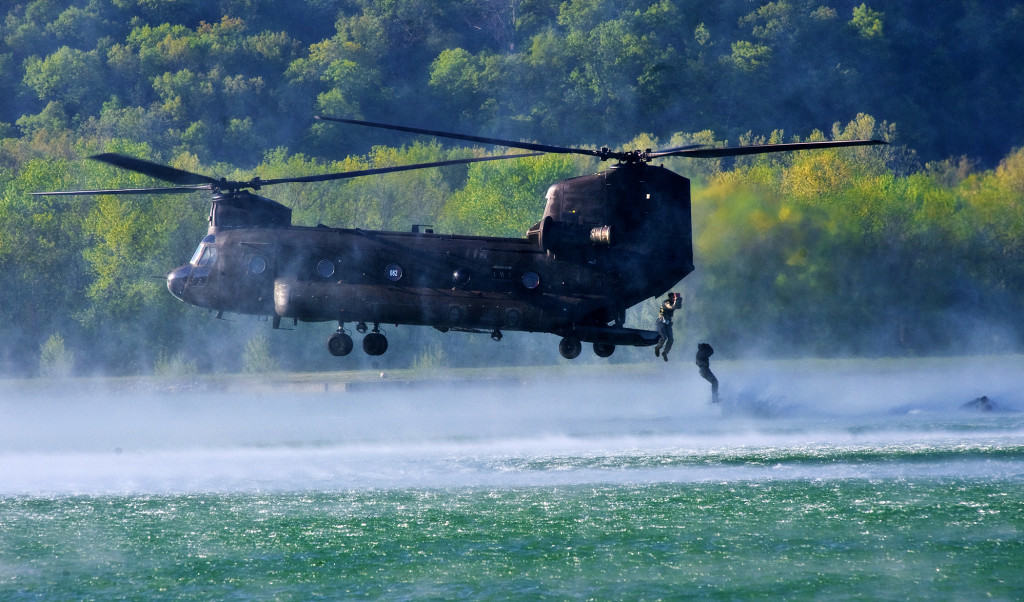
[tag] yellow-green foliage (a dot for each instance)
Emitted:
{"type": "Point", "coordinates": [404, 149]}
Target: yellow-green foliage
{"type": "Point", "coordinates": [257, 357]}
{"type": "Point", "coordinates": [55, 359]}
{"type": "Point", "coordinates": [834, 253]}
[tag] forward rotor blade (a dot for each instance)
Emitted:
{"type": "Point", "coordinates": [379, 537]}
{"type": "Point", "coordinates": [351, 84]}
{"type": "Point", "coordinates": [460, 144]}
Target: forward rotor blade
{"type": "Point", "coordinates": [381, 170]}
{"type": "Point", "coordinates": [735, 151]}
{"type": "Point", "coordinates": [155, 170]}
{"type": "Point", "coordinates": [544, 148]}
{"type": "Point", "coordinates": [168, 190]}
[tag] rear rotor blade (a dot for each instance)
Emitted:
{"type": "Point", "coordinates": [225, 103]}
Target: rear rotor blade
{"type": "Point", "coordinates": [155, 170]}
{"type": "Point", "coordinates": [544, 148]}
{"type": "Point", "coordinates": [693, 150]}
{"type": "Point", "coordinates": [735, 151]}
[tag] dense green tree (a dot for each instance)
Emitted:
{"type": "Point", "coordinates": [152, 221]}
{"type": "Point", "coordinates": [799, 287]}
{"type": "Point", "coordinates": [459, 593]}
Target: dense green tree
{"type": "Point", "coordinates": [578, 70]}
{"type": "Point", "coordinates": [44, 275]}
{"type": "Point", "coordinates": [68, 76]}
{"type": "Point", "coordinates": [505, 198]}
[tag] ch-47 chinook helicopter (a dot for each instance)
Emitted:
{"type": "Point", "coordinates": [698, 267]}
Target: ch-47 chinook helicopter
{"type": "Point", "coordinates": [604, 243]}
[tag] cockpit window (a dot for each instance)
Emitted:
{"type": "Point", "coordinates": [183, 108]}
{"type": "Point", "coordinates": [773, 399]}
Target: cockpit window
{"type": "Point", "coordinates": [207, 242]}
{"type": "Point", "coordinates": [209, 256]}
{"type": "Point", "coordinates": [205, 255]}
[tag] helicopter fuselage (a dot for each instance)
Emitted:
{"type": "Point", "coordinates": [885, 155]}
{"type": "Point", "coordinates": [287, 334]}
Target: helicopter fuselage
{"type": "Point", "coordinates": [352, 275]}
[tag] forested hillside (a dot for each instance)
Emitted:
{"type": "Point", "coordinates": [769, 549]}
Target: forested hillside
{"type": "Point", "coordinates": [917, 247]}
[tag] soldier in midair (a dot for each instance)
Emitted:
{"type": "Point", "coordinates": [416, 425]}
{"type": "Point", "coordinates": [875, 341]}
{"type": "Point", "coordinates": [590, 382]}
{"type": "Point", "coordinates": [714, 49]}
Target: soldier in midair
{"type": "Point", "coordinates": [664, 324]}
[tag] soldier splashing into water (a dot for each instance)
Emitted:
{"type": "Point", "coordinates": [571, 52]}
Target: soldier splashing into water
{"type": "Point", "coordinates": [704, 353]}
{"type": "Point", "coordinates": [664, 324]}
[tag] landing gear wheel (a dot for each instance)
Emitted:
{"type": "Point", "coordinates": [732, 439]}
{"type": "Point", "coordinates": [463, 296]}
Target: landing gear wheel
{"type": "Point", "coordinates": [604, 349]}
{"type": "Point", "coordinates": [339, 344]}
{"type": "Point", "coordinates": [570, 347]}
{"type": "Point", "coordinates": [375, 344]}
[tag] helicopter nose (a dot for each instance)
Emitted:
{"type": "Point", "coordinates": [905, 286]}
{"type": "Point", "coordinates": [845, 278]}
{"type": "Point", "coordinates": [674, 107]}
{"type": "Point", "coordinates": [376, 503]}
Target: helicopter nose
{"type": "Point", "coordinates": [177, 279]}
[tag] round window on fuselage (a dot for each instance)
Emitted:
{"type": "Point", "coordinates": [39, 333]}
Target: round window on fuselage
{"type": "Point", "coordinates": [325, 268]}
{"type": "Point", "coordinates": [257, 264]}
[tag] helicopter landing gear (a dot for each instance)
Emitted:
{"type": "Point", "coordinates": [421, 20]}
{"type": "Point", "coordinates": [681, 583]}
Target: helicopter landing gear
{"type": "Point", "coordinates": [604, 349]}
{"type": "Point", "coordinates": [340, 343]}
{"type": "Point", "coordinates": [374, 343]}
{"type": "Point", "coordinates": [570, 347]}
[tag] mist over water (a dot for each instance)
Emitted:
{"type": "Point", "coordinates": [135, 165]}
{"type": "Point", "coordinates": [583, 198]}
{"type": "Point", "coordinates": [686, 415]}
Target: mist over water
{"type": "Point", "coordinates": [777, 421]}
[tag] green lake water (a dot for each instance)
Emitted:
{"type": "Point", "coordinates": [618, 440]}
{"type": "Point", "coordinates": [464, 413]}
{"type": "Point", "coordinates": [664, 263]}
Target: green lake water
{"type": "Point", "coordinates": [893, 539]}
{"type": "Point", "coordinates": [851, 486]}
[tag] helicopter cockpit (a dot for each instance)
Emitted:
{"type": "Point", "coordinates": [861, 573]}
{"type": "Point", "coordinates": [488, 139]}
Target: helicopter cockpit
{"type": "Point", "coordinates": [206, 253]}
{"type": "Point", "coordinates": [196, 271]}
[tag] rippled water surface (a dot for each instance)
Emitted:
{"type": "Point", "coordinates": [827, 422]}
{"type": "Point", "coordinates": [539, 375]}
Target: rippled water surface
{"type": "Point", "coordinates": [807, 481]}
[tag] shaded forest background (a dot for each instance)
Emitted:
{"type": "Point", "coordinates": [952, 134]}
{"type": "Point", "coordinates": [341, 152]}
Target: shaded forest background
{"type": "Point", "coordinates": [917, 247]}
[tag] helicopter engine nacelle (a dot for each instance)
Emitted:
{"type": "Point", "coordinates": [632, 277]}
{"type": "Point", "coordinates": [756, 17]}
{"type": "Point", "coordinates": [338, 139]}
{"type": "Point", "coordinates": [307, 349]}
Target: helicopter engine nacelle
{"type": "Point", "coordinates": [558, 236]}
{"type": "Point", "coordinates": [601, 235]}
{"type": "Point", "coordinates": [636, 206]}
{"type": "Point", "coordinates": [633, 218]}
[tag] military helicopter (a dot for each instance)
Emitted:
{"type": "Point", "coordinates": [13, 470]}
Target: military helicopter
{"type": "Point", "coordinates": [605, 242]}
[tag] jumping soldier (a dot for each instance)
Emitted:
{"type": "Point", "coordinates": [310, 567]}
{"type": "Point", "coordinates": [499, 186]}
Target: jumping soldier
{"type": "Point", "coordinates": [664, 324]}
{"type": "Point", "coordinates": [704, 353]}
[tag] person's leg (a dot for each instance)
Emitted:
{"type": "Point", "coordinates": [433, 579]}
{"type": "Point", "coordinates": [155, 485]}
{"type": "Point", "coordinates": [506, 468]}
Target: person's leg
{"type": "Point", "coordinates": [709, 376]}
{"type": "Point", "coordinates": [661, 327]}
